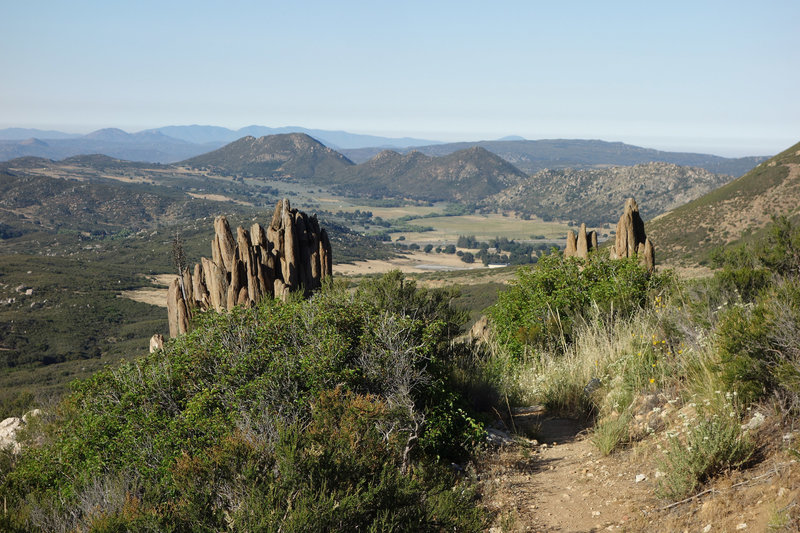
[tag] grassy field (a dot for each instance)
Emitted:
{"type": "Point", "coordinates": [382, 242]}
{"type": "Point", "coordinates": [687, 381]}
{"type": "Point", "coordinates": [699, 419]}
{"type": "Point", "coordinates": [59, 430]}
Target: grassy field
{"type": "Point", "coordinates": [485, 227]}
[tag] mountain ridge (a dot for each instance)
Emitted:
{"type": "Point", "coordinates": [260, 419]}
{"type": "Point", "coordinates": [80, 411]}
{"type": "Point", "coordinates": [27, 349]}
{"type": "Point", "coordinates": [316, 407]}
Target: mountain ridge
{"type": "Point", "coordinates": [463, 176]}
{"type": "Point", "coordinates": [532, 156]}
{"type": "Point", "coordinates": [584, 194]}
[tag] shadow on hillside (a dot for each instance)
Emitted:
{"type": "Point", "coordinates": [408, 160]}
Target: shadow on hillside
{"type": "Point", "coordinates": [536, 423]}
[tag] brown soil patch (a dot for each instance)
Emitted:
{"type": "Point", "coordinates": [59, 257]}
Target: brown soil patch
{"type": "Point", "coordinates": [151, 295]}
{"type": "Point", "coordinates": [561, 482]}
{"type": "Point", "coordinates": [415, 262]}
{"type": "Point", "coordinates": [218, 198]}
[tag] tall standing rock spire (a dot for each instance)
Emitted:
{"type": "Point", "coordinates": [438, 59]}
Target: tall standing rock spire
{"type": "Point", "coordinates": [630, 240]}
{"type": "Point", "coordinates": [292, 253]}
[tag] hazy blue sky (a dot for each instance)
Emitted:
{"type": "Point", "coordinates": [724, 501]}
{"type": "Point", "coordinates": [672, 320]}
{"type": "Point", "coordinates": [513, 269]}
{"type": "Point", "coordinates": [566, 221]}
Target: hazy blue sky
{"type": "Point", "coordinates": [721, 77]}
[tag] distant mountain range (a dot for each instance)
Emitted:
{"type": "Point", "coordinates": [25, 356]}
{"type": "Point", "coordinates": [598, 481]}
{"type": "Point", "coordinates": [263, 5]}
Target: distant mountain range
{"type": "Point", "coordinates": [582, 179]}
{"type": "Point", "coordinates": [473, 175]}
{"type": "Point", "coordinates": [176, 143]}
{"type": "Point", "coordinates": [168, 144]}
{"type": "Point", "coordinates": [337, 140]}
{"type": "Point", "coordinates": [533, 156]}
{"type": "Point", "coordinates": [148, 146]}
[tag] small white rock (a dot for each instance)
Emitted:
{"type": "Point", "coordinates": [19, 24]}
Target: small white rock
{"type": "Point", "coordinates": [640, 478]}
{"type": "Point", "coordinates": [707, 528]}
{"type": "Point", "coordinates": [741, 526]}
{"type": "Point", "coordinates": [756, 422]}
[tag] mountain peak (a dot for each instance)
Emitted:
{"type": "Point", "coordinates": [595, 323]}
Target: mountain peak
{"type": "Point", "coordinates": [283, 155]}
{"type": "Point", "coordinates": [108, 134]}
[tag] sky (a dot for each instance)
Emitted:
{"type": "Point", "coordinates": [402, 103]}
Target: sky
{"type": "Point", "coordinates": [705, 76]}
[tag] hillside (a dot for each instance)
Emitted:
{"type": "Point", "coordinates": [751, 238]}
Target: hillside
{"type": "Point", "coordinates": [532, 156]}
{"type": "Point", "coordinates": [35, 203]}
{"type": "Point", "coordinates": [293, 155]}
{"type": "Point", "coordinates": [741, 207]}
{"type": "Point", "coordinates": [586, 195]}
{"type": "Point", "coordinates": [465, 176]}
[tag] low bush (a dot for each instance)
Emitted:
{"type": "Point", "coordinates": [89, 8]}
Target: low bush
{"type": "Point", "coordinates": [336, 413]}
{"type": "Point", "coordinates": [712, 443]}
{"type": "Point", "coordinates": [543, 306]}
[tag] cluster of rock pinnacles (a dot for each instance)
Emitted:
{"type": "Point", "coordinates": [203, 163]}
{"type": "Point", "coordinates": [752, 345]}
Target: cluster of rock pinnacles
{"type": "Point", "coordinates": [630, 241]}
{"type": "Point", "coordinates": [293, 253]}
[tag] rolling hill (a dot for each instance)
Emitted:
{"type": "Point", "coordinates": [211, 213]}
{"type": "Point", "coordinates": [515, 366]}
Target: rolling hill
{"type": "Point", "coordinates": [465, 176]}
{"type": "Point", "coordinates": [294, 155]}
{"type": "Point", "coordinates": [743, 206]}
{"type": "Point", "coordinates": [584, 195]}
{"type": "Point", "coordinates": [532, 156]}
{"type": "Point", "coordinates": [38, 203]}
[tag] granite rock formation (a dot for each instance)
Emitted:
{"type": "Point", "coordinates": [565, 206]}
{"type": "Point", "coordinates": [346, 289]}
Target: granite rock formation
{"type": "Point", "coordinates": [292, 254]}
{"type": "Point", "coordinates": [631, 240]}
{"type": "Point", "coordinates": [580, 245]}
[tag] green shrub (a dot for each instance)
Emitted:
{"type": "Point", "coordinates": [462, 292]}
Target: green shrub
{"type": "Point", "coordinates": [610, 433]}
{"type": "Point", "coordinates": [741, 341]}
{"type": "Point", "coordinates": [712, 445]}
{"type": "Point", "coordinates": [335, 413]}
{"type": "Point", "coordinates": [544, 304]}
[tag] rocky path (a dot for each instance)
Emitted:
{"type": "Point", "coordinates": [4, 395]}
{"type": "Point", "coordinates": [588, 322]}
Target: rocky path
{"type": "Point", "coordinates": [560, 482]}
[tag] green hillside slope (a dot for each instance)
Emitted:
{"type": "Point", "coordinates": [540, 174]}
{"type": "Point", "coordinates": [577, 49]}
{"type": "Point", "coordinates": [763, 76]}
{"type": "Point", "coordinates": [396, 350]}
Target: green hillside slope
{"type": "Point", "coordinates": [731, 212]}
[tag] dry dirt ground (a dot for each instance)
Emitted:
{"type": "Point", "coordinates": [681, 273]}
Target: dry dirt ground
{"type": "Point", "coordinates": [413, 262]}
{"type": "Point", "coordinates": [156, 295]}
{"type": "Point", "coordinates": [560, 482]}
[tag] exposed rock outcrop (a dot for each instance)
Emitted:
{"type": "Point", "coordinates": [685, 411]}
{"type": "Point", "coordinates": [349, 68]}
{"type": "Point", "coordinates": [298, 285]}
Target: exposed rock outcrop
{"type": "Point", "coordinates": [581, 245]}
{"type": "Point", "coordinates": [293, 253]}
{"type": "Point", "coordinates": [9, 428]}
{"type": "Point", "coordinates": [630, 241]}
{"type": "Point", "coordinates": [569, 251]}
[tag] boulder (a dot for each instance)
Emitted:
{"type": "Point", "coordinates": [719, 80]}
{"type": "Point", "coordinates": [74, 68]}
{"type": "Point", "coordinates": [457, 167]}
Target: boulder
{"type": "Point", "coordinates": [8, 432]}
{"type": "Point", "coordinates": [156, 342]}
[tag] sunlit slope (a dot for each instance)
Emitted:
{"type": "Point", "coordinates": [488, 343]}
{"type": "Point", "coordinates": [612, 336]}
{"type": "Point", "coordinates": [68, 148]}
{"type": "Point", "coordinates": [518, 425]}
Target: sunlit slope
{"type": "Point", "coordinates": [731, 212]}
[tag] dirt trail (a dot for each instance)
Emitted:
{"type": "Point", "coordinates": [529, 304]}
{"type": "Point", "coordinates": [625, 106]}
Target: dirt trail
{"type": "Point", "coordinates": [560, 482]}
